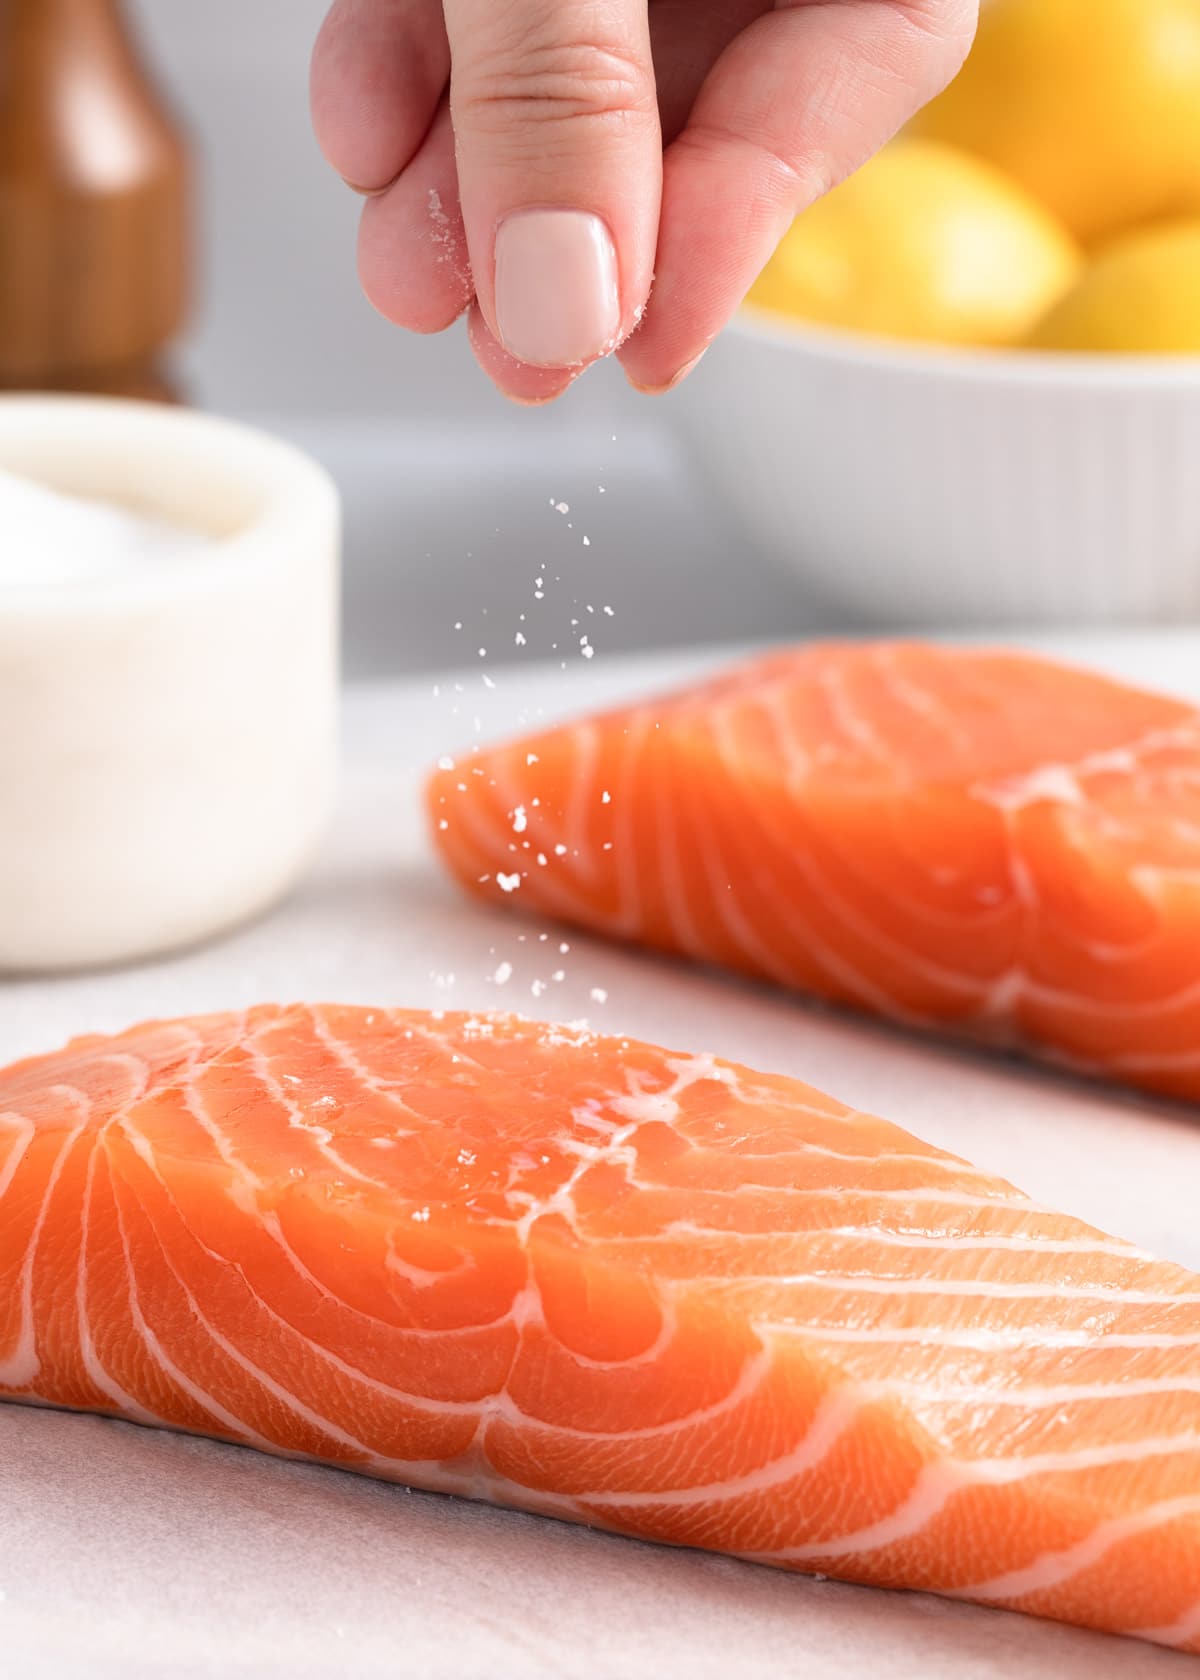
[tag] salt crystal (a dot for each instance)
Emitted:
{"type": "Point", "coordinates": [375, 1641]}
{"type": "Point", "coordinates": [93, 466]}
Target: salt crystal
{"type": "Point", "coordinates": [598, 994]}
{"type": "Point", "coordinates": [519, 820]}
{"type": "Point", "coordinates": [508, 883]}
{"type": "Point", "coordinates": [503, 973]}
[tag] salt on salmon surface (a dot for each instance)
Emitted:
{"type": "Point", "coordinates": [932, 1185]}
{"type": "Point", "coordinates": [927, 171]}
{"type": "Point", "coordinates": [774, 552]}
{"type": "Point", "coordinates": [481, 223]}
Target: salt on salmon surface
{"type": "Point", "coordinates": [586, 1277]}
{"type": "Point", "coordinates": [982, 842]}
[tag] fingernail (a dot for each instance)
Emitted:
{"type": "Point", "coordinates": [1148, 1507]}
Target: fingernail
{"type": "Point", "coordinates": [367, 192]}
{"type": "Point", "coordinates": [557, 296]}
{"type": "Point", "coordinates": [675, 379]}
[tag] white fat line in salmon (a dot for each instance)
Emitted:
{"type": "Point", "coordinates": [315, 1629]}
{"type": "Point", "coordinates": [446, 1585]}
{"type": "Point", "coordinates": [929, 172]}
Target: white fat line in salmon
{"type": "Point", "coordinates": [750, 1380]}
{"type": "Point", "coordinates": [26, 1132]}
{"type": "Point", "coordinates": [552, 892]}
{"type": "Point", "coordinates": [986, 1288]}
{"type": "Point", "coordinates": [984, 1341]}
{"type": "Point", "coordinates": [308, 1339]}
{"type": "Point", "coordinates": [276, 1390]}
{"type": "Point", "coordinates": [1014, 983]}
{"type": "Point", "coordinates": [817, 879]}
{"type": "Point", "coordinates": [840, 970]}
{"type": "Point", "coordinates": [97, 1373]}
{"type": "Point", "coordinates": [1028, 1396]}
{"type": "Point", "coordinates": [342, 1052]}
{"type": "Point", "coordinates": [319, 1135]}
{"type": "Point", "coordinates": [585, 742]}
{"type": "Point", "coordinates": [1059, 782]}
{"type": "Point", "coordinates": [1178, 1632]}
{"type": "Point", "coordinates": [1051, 1569]}
{"type": "Point", "coordinates": [221, 1418]}
{"type": "Point", "coordinates": [1021, 1242]}
{"type": "Point", "coordinates": [680, 920]}
{"type": "Point", "coordinates": [20, 1366]}
{"type": "Point", "coordinates": [919, 700]}
{"type": "Point", "coordinates": [832, 1419]}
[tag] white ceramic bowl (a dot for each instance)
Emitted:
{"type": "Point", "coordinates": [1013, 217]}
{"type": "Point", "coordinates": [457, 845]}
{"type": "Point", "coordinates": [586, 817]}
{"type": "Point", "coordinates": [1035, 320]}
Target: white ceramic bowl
{"type": "Point", "coordinates": [914, 485]}
{"type": "Point", "coordinates": [167, 735]}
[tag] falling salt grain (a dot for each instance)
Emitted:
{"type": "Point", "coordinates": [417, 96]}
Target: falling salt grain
{"type": "Point", "coordinates": [564, 947]}
{"type": "Point", "coordinates": [598, 994]}
{"type": "Point", "coordinates": [560, 850]}
{"type": "Point", "coordinates": [508, 883]}
{"type": "Point", "coordinates": [587, 543]}
{"type": "Point", "coordinates": [519, 639]}
{"type": "Point", "coordinates": [531, 758]}
{"type": "Point", "coordinates": [606, 798]}
{"type": "Point", "coordinates": [559, 974]}
{"type": "Point", "coordinates": [503, 973]}
{"type": "Point", "coordinates": [487, 681]}
{"type": "Point", "coordinates": [519, 820]}
{"type": "Point", "coordinates": [538, 987]}
{"type": "Point", "coordinates": [562, 507]}
{"type": "Point", "coordinates": [420, 1216]}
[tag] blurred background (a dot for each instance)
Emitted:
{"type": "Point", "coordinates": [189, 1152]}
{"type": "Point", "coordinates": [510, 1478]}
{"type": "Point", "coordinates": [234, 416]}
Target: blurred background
{"type": "Point", "coordinates": [451, 493]}
{"type": "Point", "coordinates": [964, 393]}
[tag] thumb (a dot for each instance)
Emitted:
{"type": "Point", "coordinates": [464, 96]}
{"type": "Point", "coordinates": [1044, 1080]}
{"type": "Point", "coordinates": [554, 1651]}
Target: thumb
{"type": "Point", "coordinates": [559, 168]}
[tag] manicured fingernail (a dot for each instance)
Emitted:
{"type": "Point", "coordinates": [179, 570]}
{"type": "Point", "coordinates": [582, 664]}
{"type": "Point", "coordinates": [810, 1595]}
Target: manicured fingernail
{"type": "Point", "coordinates": [557, 296]}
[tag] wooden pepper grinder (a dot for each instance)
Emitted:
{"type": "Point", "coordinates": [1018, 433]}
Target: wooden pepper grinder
{"type": "Point", "coordinates": [94, 205]}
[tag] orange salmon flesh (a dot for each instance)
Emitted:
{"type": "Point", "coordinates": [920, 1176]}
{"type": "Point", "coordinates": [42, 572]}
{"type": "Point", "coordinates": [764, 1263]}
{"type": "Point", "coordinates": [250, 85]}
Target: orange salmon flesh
{"type": "Point", "coordinates": [979, 842]}
{"type": "Point", "coordinates": [582, 1276]}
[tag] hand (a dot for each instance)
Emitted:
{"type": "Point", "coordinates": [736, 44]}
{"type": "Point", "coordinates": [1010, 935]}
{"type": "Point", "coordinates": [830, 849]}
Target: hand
{"type": "Point", "coordinates": [586, 176]}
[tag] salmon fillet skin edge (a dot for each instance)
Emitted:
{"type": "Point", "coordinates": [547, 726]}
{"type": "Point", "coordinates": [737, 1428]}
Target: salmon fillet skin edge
{"type": "Point", "coordinates": [582, 1276]}
{"type": "Point", "coordinates": [981, 842]}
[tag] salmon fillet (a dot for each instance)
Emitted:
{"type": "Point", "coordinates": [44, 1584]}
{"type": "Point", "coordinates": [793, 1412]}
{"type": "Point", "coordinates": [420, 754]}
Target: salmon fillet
{"type": "Point", "coordinates": [983, 842]}
{"type": "Point", "coordinates": [590, 1278]}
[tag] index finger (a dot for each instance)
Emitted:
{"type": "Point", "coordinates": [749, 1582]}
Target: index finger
{"type": "Point", "coordinates": [798, 101]}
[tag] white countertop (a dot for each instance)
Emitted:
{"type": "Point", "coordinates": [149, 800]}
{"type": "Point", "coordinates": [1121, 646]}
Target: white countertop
{"type": "Point", "coordinates": [126, 1555]}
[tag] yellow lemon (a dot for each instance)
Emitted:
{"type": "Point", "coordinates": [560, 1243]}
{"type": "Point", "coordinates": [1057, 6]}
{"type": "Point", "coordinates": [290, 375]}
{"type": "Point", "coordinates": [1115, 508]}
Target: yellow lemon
{"type": "Point", "coordinates": [1094, 105]}
{"type": "Point", "coordinates": [925, 242]}
{"type": "Point", "coordinates": [1141, 295]}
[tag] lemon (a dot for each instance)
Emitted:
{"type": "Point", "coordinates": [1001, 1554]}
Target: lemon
{"type": "Point", "coordinates": [1140, 295]}
{"type": "Point", "coordinates": [925, 242]}
{"type": "Point", "coordinates": [1093, 105]}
